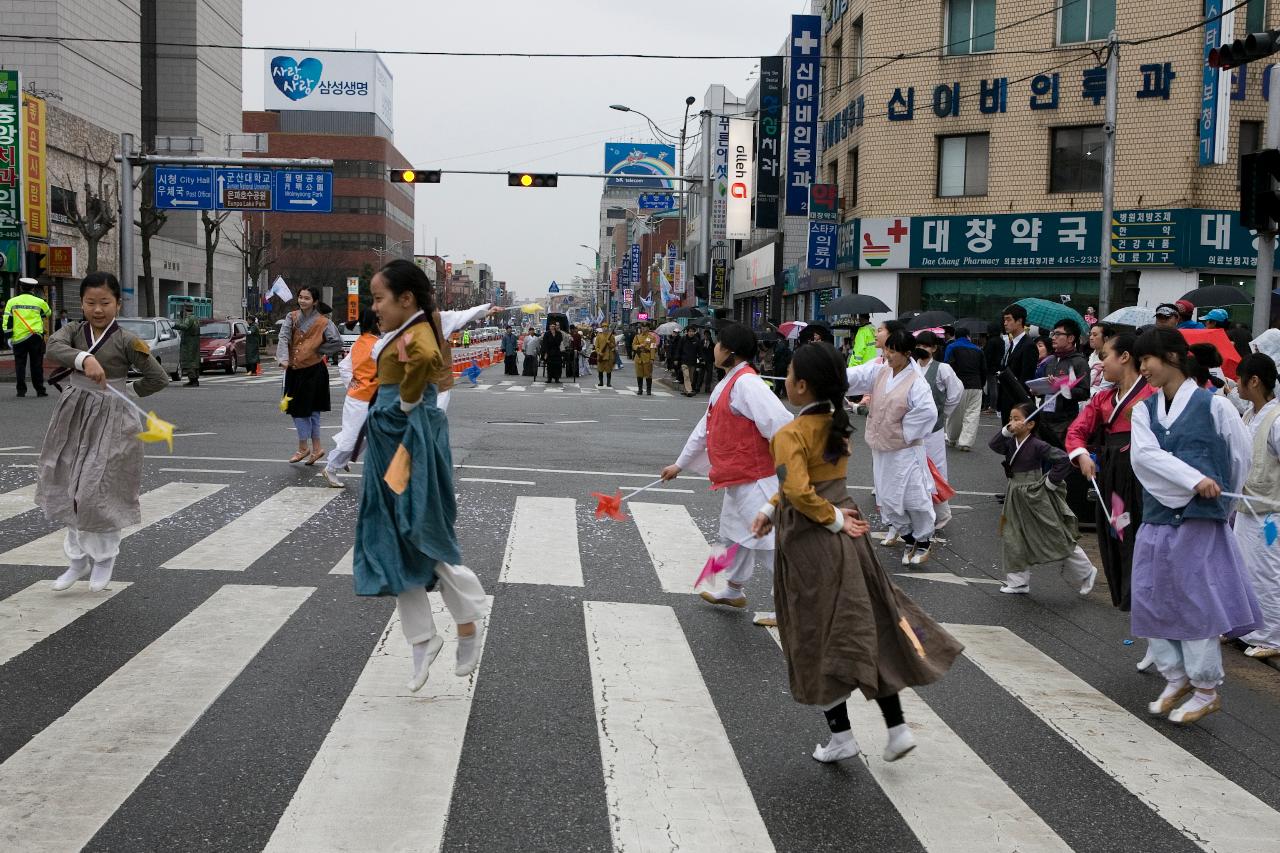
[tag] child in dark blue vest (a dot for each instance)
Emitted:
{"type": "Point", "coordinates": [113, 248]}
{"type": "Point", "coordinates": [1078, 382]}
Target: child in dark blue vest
{"type": "Point", "coordinates": [1189, 582]}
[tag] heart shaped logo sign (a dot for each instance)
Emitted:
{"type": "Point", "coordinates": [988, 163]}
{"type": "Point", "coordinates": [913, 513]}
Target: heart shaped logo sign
{"type": "Point", "coordinates": [294, 79]}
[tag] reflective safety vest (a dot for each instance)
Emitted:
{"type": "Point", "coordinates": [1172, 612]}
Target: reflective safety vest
{"type": "Point", "coordinates": [24, 316]}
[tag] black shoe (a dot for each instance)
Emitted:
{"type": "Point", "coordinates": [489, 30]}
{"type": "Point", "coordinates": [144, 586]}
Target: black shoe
{"type": "Point", "coordinates": [22, 393]}
{"type": "Point", "coordinates": [42, 393]}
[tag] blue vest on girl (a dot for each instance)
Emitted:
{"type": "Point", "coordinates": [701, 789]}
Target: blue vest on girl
{"type": "Point", "coordinates": [1194, 439]}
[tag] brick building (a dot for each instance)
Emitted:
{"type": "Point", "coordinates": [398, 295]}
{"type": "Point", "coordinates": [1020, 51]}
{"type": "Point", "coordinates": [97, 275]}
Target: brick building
{"type": "Point", "coordinates": [971, 177]}
{"type": "Point", "coordinates": [372, 218]}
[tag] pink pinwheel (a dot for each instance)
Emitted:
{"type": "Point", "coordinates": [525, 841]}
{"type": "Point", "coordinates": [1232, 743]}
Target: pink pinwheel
{"type": "Point", "coordinates": [720, 559]}
{"type": "Point", "coordinates": [1062, 385]}
{"type": "Point", "coordinates": [609, 506]}
{"type": "Point", "coordinates": [1119, 516]}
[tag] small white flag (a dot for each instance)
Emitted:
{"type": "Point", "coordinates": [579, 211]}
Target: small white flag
{"type": "Point", "coordinates": [280, 289]}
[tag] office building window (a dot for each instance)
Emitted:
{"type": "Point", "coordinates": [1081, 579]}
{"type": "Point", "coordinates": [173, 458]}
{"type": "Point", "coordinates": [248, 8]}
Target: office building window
{"type": "Point", "coordinates": [1255, 16]}
{"type": "Point", "coordinates": [1086, 20]}
{"type": "Point", "coordinates": [1075, 161]}
{"type": "Point", "coordinates": [341, 241]}
{"type": "Point", "coordinates": [855, 49]}
{"type": "Point", "coordinates": [971, 26]}
{"type": "Point", "coordinates": [359, 204]}
{"type": "Point", "coordinates": [852, 172]}
{"type": "Point", "coordinates": [62, 204]}
{"type": "Point", "coordinates": [835, 69]}
{"type": "Point", "coordinates": [962, 165]}
{"type": "Point", "coordinates": [359, 169]}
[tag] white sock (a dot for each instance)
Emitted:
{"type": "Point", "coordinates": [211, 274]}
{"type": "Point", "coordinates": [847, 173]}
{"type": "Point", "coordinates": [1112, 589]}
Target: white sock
{"type": "Point", "coordinates": [101, 575]}
{"type": "Point", "coordinates": [840, 738]}
{"type": "Point", "coordinates": [1197, 701]}
{"type": "Point", "coordinates": [419, 654]}
{"type": "Point", "coordinates": [76, 569]}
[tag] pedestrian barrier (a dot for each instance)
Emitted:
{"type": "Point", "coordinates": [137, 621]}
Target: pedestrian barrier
{"type": "Point", "coordinates": [484, 358]}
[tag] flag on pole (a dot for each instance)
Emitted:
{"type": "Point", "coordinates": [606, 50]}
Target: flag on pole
{"type": "Point", "coordinates": [600, 315]}
{"type": "Point", "coordinates": [280, 289]}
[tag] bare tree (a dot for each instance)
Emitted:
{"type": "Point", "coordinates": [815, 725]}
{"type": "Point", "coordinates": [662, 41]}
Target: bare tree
{"type": "Point", "coordinates": [150, 221]}
{"type": "Point", "coordinates": [255, 250]}
{"type": "Point", "coordinates": [99, 215]}
{"type": "Point", "coordinates": [212, 237]}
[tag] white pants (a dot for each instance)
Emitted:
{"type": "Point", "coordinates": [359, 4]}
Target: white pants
{"type": "Point", "coordinates": [354, 414]}
{"type": "Point", "coordinates": [463, 596]}
{"type": "Point", "coordinates": [1075, 568]}
{"type": "Point", "coordinates": [962, 428]}
{"type": "Point", "coordinates": [96, 546]}
{"type": "Point", "coordinates": [745, 562]}
{"type": "Point", "coordinates": [935, 447]}
{"type": "Point", "coordinates": [1198, 660]}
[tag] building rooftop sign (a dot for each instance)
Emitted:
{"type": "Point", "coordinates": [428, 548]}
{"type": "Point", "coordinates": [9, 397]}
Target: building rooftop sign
{"type": "Point", "coordinates": [328, 82]}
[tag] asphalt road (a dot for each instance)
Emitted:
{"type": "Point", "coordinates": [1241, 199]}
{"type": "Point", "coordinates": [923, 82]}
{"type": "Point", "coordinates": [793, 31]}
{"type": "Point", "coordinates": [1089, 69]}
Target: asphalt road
{"type": "Point", "coordinates": [229, 692]}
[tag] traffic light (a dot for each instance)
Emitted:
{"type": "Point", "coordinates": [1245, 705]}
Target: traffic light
{"type": "Point", "coordinates": [1253, 47]}
{"type": "Point", "coordinates": [702, 286]}
{"type": "Point", "coordinates": [528, 179]}
{"type": "Point", "coordinates": [35, 264]}
{"type": "Point", "coordinates": [415, 176]}
{"type": "Point", "coordinates": [1259, 199]}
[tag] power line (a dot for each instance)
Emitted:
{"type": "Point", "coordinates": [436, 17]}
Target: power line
{"type": "Point", "coordinates": [1197, 25]}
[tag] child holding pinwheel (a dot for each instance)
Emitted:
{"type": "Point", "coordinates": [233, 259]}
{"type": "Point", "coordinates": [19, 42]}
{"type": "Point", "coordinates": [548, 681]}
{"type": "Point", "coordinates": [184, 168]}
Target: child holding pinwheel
{"type": "Point", "coordinates": [90, 470]}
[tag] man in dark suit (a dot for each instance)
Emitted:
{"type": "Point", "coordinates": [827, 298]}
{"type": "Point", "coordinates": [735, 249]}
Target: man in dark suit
{"type": "Point", "coordinates": [1019, 364]}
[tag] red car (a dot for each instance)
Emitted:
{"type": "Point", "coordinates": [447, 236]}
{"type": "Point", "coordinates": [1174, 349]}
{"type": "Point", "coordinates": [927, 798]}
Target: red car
{"type": "Point", "coordinates": [222, 344]}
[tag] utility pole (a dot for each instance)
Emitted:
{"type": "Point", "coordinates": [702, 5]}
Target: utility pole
{"type": "Point", "coordinates": [128, 278]}
{"type": "Point", "coordinates": [1263, 278]}
{"type": "Point", "coordinates": [1108, 174]}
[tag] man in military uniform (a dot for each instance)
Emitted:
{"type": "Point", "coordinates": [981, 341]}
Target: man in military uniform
{"type": "Point", "coordinates": [26, 323]}
{"type": "Point", "coordinates": [189, 353]}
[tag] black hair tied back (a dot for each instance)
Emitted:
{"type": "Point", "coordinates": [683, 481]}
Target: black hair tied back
{"type": "Point", "coordinates": [821, 366]}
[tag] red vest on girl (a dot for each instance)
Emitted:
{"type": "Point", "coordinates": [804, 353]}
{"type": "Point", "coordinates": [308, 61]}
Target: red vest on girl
{"type": "Point", "coordinates": [738, 452]}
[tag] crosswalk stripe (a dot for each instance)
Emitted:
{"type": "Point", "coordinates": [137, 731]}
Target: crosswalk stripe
{"type": "Point", "coordinates": [672, 779]}
{"type": "Point", "coordinates": [383, 777]}
{"type": "Point", "coordinates": [32, 614]}
{"type": "Point", "coordinates": [1211, 811]}
{"type": "Point", "coordinates": [676, 546]}
{"type": "Point", "coordinates": [156, 505]}
{"type": "Point", "coordinates": [542, 545]}
{"type": "Point", "coordinates": [17, 502]}
{"type": "Point", "coordinates": [65, 783]}
{"type": "Point", "coordinates": [238, 545]}
{"type": "Point", "coordinates": [949, 797]}
{"type": "Point", "coordinates": [345, 564]}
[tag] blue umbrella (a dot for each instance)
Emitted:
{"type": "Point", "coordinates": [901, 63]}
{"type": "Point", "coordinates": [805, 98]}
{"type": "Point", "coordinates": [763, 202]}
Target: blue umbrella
{"type": "Point", "coordinates": [1043, 313]}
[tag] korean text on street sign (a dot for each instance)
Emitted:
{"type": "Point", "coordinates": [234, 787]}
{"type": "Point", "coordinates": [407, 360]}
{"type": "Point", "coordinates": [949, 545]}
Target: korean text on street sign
{"type": "Point", "coordinates": [10, 149]}
{"type": "Point", "coordinates": [769, 147]}
{"type": "Point", "coordinates": [657, 201]}
{"type": "Point", "coordinates": [805, 83]}
{"type": "Point", "coordinates": [244, 189]}
{"type": "Point", "coordinates": [184, 188]}
{"type": "Point", "coordinates": [823, 216]}
{"type": "Point", "coordinates": [718, 287]}
{"type": "Point", "coordinates": [305, 190]}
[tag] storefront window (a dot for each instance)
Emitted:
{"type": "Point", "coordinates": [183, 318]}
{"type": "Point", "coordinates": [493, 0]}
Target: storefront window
{"type": "Point", "coordinates": [986, 298]}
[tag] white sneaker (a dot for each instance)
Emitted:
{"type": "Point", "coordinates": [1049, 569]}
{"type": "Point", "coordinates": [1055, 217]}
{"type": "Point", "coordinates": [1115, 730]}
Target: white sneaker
{"type": "Point", "coordinates": [332, 479]}
{"type": "Point", "coordinates": [101, 575]}
{"type": "Point", "coordinates": [906, 555]}
{"type": "Point", "coordinates": [1169, 698]}
{"type": "Point", "coordinates": [901, 741]}
{"type": "Point", "coordinates": [469, 652]}
{"type": "Point", "coordinates": [920, 556]}
{"type": "Point", "coordinates": [423, 670]}
{"type": "Point", "coordinates": [1199, 706]}
{"type": "Point", "coordinates": [766, 619]}
{"type": "Point", "coordinates": [1087, 586]}
{"type": "Point", "coordinates": [837, 750]}
{"type": "Point", "coordinates": [728, 597]}
{"type": "Point", "coordinates": [69, 577]}
{"type": "Point", "coordinates": [1015, 590]}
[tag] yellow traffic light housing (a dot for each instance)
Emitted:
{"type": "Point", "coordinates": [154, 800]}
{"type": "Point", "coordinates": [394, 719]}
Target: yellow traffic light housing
{"type": "Point", "coordinates": [415, 176]}
{"type": "Point", "coordinates": [532, 179]}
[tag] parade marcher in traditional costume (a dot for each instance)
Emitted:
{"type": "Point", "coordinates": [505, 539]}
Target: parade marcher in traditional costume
{"type": "Point", "coordinates": [605, 347]}
{"type": "Point", "coordinates": [552, 350]}
{"type": "Point", "coordinates": [902, 416]}
{"type": "Point", "coordinates": [1190, 585]}
{"type": "Point", "coordinates": [307, 338]}
{"type": "Point", "coordinates": [947, 391]}
{"type": "Point", "coordinates": [405, 539]}
{"type": "Point", "coordinates": [188, 329]}
{"type": "Point", "coordinates": [530, 349]}
{"type": "Point", "coordinates": [644, 347]}
{"type": "Point", "coordinates": [1104, 426]}
{"type": "Point", "coordinates": [1037, 527]}
{"type": "Point", "coordinates": [359, 373]}
{"type": "Point", "coordinates": [1257, 381]}
{"type": "Point", "coordinates": [844, 625]}
{"type": "Point", "coordinates": [510, 352]}
{"type": "Point", "coordinates": [730, 445]}
{"type": "Point", "coordinates": [90, 466]}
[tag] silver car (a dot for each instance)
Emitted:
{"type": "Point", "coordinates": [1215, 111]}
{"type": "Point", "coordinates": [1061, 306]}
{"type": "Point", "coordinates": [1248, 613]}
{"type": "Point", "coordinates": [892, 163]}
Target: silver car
{"type": "Point", "coordinates": [158, 334]}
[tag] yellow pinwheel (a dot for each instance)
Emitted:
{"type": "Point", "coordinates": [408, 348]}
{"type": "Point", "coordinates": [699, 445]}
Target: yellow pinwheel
{"type": "Point", "coordinates": [284, 403]}
{"type": "Point", "coordinates": [158, 429]}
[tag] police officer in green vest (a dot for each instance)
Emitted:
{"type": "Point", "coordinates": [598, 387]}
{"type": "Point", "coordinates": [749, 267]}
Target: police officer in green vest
{"type": "Point", "coordinates": [26, 323]}
{"type": "Point", "coordinates": [188, 328]}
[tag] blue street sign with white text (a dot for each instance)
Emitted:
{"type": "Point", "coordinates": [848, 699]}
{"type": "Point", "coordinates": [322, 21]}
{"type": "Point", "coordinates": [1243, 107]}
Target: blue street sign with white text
{"type": "Point", "coordinates": [306, 190]}
{"type": "Point", "coordinates": [244, 189]}
{"type": "Point", "coordinates": [656, 201]}
{"type": "Point", "coordinates": [184, 188]}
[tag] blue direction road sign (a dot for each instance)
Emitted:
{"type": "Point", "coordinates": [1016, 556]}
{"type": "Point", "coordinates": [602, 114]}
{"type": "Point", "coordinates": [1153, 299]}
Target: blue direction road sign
{"type": "Point", "coordinates": [656, 201]}
{"type": "Point", "coordinates": [244, 189]}
{"type": "Point", "coordinates": [305, 190]}
{"type": "Point", "coordinates": [184, 188]}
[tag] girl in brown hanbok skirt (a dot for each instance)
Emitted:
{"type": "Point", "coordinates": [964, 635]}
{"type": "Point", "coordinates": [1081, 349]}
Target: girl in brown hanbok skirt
{"type": "Point", "coordinates": [844, 625]}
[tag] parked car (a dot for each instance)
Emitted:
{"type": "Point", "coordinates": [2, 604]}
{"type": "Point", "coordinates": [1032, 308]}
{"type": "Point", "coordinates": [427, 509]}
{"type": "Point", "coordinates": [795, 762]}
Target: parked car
{"type": "Point", "coordinates": [158, 334]}
{"type": "Point", "coordinates": [350, 332]}
{"type": "Point", "coordinates": [222, 344]}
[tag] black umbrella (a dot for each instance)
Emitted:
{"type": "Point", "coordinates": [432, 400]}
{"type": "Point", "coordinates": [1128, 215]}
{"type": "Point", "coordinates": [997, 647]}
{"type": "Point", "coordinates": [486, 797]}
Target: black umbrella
{"type": "Point", "coordinates": [856, 303]}
{"type": "Point", "coordinates": [1216, 296]}
{"type": "Point", "coordinates": [685, 312]}
{"type": "Point", "coordinates": [701, 322]}
{"type": "Point", "coordinates": [929, 320]}
{"type": "Point", "coordinates": [973, 325]}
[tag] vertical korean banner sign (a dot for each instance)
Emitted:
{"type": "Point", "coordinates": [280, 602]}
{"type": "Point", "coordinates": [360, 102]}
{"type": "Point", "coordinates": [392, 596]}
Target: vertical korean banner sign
{"type": "Point", "coordinates": [824, 218]}
{"type": "Point", "coordinates": [741, 143]}
{"type": "Point", "coordinates": [1215, 103]}
{"type": "Point", "coordinates": [802, 130]}
{"type": "Point", "coordinates": [35, 180]}
{"type": "Point", "coordinates": [720, 178]}
{"type": "Point", "coordinates": [10, 149]}
{"type": "Point", "coordinates": [769, 148]}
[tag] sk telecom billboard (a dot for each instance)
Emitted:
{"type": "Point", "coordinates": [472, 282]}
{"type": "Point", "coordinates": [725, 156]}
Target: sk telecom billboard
{"type": "Point", "coordinates": [640, 165]}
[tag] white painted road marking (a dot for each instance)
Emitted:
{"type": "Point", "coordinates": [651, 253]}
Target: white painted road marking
{"type": "Point", "coordinates": [18, 501]}
{"type": "Point", "coordinates": [236, 546]}
{"type": "Point", "coordinates": [156, 505]}
{"type": "Point", "coordinates": [487, 480]}
{"type": "Point", "coordinates": [366, 788]}
{"type": "Point", "coordinates": [345, 564]}
{"type": "Point", "coordinates": [103, 748]}
{"type": "Point", "coordinates": [199, 471]}
{"type": "Point", "coordinates": [676, 546]}
{"type": "Point", "coordinates": [542, 545]}
{"type": "Point", "coordinates": [1210, 810]}
{"type": "Point", "coordinates": [32, 614]}
{"type": "Point", "coordinates": [672, 779]}
{"type": "Point", "coordinates": [952, 800]}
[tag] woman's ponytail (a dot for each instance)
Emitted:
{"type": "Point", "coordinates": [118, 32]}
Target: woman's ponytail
{"type": "Point", "coordinates": [840, 431]}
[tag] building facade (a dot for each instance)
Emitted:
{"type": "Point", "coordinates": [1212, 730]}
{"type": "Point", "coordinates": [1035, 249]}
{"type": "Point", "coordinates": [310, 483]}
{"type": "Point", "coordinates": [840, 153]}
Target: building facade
{"type": "Point", "coordinates": [971, 176]}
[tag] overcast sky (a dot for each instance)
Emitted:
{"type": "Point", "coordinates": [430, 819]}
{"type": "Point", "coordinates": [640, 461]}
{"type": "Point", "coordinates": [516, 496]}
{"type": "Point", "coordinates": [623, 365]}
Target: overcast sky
{"type": "Point", "coordinates": [541, 114]}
